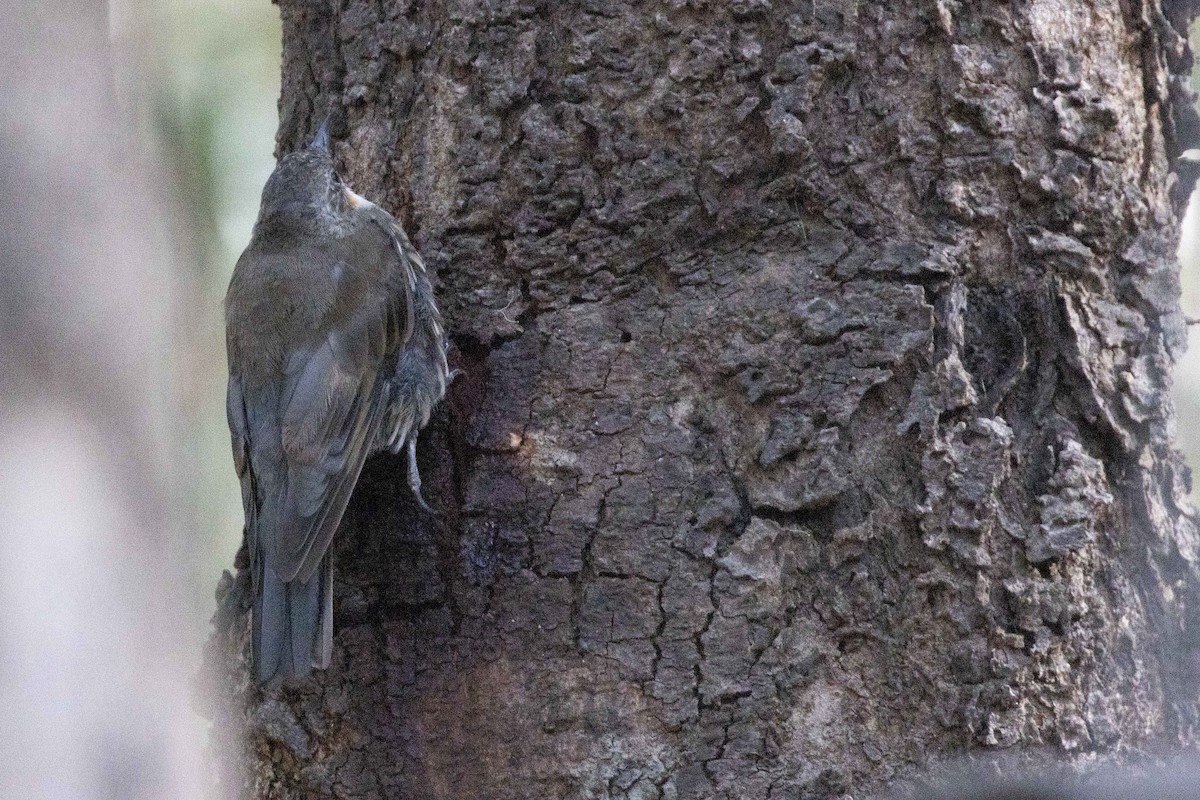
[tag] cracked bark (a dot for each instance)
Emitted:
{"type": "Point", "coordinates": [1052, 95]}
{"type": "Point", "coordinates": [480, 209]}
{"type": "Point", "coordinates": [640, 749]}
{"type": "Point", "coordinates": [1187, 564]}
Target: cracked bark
{"type": "Point", "coordinates": [814, 421]}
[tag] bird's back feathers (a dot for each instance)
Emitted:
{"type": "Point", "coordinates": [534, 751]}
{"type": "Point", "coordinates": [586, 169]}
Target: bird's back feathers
{"type": "Point", "coordinates": [335, 349]}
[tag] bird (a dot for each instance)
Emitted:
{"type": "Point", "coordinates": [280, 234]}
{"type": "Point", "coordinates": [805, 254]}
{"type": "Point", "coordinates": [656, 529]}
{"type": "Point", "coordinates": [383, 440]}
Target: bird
{"type": "Point", "coordinates": [336, 350]}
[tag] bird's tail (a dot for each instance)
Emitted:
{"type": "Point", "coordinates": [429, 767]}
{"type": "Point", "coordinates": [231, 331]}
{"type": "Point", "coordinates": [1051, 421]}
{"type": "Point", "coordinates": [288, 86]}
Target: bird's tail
{"type": "Point", "coordinates": [292, 622]}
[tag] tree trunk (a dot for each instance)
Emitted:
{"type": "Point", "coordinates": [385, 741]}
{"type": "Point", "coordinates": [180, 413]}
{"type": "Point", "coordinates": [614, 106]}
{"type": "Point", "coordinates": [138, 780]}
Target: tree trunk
{"type": "Point", "coordinates": [814, 420]}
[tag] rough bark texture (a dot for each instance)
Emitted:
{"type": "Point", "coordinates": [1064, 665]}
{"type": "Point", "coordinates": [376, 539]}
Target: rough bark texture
{"type": "Point", "coordinates": [814, 421]}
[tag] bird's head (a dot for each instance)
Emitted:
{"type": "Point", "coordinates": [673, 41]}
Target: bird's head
{"type": "Point", "coordinates": [305, 187]}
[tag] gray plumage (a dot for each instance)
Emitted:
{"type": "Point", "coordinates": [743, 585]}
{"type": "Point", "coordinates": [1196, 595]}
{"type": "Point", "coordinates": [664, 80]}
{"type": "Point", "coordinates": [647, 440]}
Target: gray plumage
{"type": "Point", "coordinates": [336, 349]}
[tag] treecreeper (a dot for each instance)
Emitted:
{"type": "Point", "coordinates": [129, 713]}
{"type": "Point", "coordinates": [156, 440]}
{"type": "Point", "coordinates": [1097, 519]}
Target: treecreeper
{"type": "Point", "coordinates": [336, 350]}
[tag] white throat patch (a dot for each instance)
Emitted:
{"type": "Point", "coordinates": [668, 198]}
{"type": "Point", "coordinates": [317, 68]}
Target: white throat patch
{"type": "Point", "coordinates": [356, 200]}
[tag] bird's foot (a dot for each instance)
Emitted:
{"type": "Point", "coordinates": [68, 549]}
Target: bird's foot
{"type": "Point", "coordinates": [414, 475]}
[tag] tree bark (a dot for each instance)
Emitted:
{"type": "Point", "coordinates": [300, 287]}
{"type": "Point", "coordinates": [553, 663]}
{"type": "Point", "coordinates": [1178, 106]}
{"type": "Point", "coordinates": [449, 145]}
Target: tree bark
{"type": "Point", "coordinates": [814, 419]}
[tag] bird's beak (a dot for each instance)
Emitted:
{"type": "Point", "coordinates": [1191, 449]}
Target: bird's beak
{"type": "Point", "coordinates": [321, 140]}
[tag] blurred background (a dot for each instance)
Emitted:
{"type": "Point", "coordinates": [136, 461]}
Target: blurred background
{"type": "Point", "coordinates": [209, 102]}
{"type": "Point", "coordinates": [134, 142]}
{"type": "Point", "coordinates": [184, 107]}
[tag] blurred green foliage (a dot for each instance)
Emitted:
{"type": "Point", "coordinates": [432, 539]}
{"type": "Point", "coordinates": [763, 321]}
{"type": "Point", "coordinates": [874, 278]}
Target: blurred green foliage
{"type": "Point", "coordinates": [216, 112]}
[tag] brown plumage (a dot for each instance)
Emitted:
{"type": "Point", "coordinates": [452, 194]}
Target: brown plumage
{"type": "Point", "coordinates": [336, 349]}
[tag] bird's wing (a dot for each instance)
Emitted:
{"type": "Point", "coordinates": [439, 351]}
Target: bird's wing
{"type": "Point", "coordinates": [410, 260]}
{"type": "Point", "coordinates": [333, 403]}
{"type": "Point", "coordinates": [239, 432]}
{"type": "Point", "coordinates": [421, 372]}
